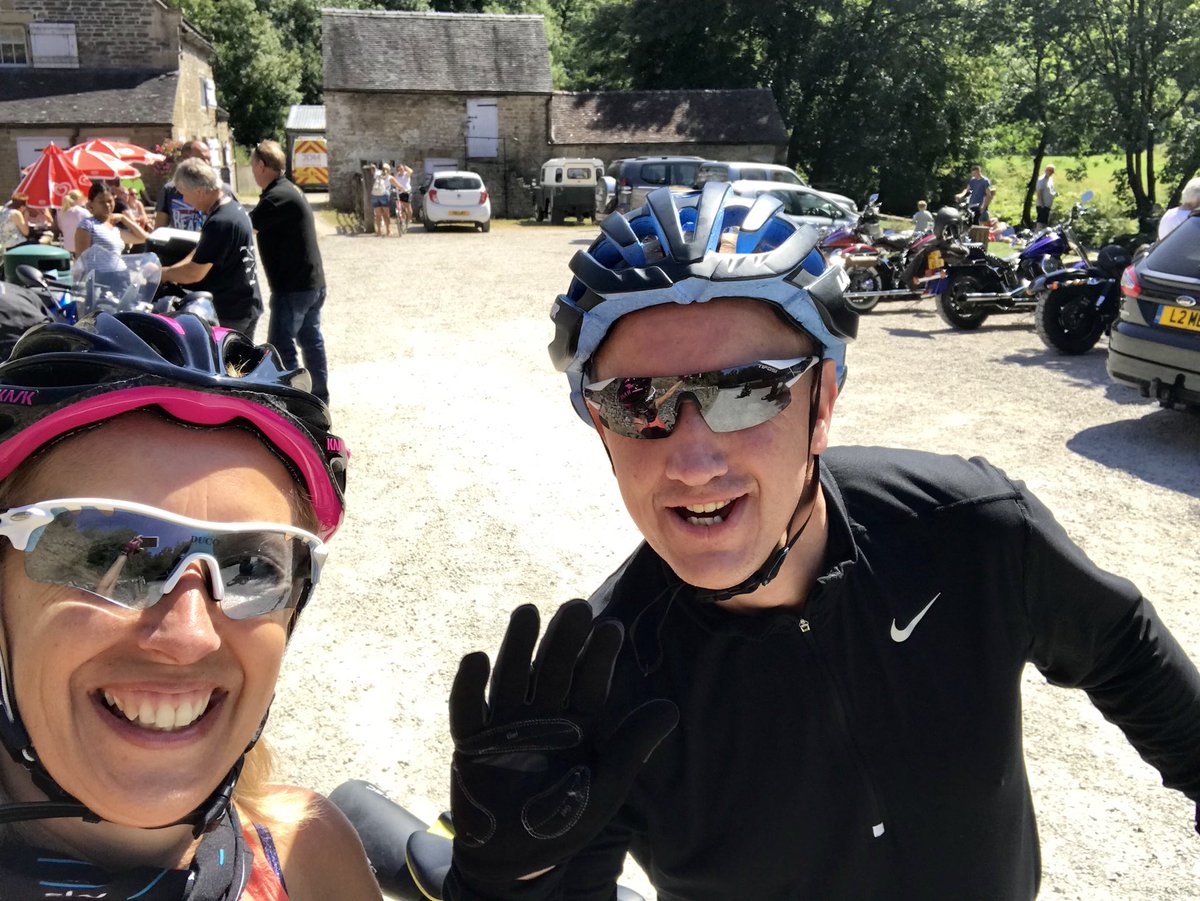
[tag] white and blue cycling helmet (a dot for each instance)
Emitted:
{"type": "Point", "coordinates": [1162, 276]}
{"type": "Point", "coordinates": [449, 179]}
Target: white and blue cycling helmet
{"type": "Point", "coordinates": [692, 248]}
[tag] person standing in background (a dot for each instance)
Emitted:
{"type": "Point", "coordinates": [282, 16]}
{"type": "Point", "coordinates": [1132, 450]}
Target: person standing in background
{"type": "Point", "coordinates": [70, 214]}
{"type": "Point", "coordinates": [172, 210]}
{"type": "Point", "coordinates": [1189, 202]}
{"type": "Point", "coordinates": [979, 186]}
{"type": "Point", "coordinates": [1043, 198]}
{"type": "Point", "coordinates": [922, 218]}
{"type": "Point", "coordinates": [287, 242]}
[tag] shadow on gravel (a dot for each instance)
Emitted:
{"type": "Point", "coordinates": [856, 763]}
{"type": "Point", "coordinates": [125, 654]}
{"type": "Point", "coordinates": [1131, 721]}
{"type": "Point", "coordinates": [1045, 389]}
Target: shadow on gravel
{"type": "Point", "coordinates": [1023, 326]}
{"type": "Point", "coordinates": [908, 333]}
{"type": "Point", "coordinates": [1159, 448]}
{"type": "Point", "coordinates": [1085, 369]}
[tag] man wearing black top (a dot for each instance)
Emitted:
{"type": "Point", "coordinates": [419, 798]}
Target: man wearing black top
{"type": "Point", "coordinates": [806, 682]}
{"type": "Point", "coordinates": [223, 262]}
{"type": "Point", "coordinates": [287, 239]}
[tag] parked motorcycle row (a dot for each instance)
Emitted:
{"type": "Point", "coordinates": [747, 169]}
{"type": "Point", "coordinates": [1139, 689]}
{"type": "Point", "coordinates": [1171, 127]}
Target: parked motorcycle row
{"type": "Point", "coordinates": [1073, 304]}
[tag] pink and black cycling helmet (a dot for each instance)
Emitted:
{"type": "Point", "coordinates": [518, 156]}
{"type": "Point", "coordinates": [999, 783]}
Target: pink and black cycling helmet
{"type": "Point", "coordinates": [61, 378]}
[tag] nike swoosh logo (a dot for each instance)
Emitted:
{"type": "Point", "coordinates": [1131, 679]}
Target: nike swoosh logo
{"type": "Point", "coordinates": [899, 635]}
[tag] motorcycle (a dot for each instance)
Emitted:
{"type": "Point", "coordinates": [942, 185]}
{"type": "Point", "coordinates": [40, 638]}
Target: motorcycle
{"type": "Point", "coordinates": [1076, 306]}
{"type": "Point", "coordinates": [106, 282]}
{"type": "Point", "coordinates": [898, 267]}
{"type": "Point", "coordinates": [410, 857]}
{"type": "Point", "coordinates": [978, 283]}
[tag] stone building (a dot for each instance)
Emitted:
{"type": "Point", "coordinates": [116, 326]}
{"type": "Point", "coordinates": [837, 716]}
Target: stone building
{"type": "Point", "coordinates": [435, 90]}
{"type": "Point", "coordinates": [133, 70]}
{"type": "Point", "coordinates": [742, 125]}
{"type": "Point", "coordinates": [456, 90]}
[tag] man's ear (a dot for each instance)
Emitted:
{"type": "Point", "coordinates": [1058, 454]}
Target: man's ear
{"type": "Point", "coordinates": [825, 401]}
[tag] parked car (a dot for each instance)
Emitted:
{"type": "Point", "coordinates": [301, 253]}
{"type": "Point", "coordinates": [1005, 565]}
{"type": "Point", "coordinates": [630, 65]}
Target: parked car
{"type": "Point", "coordinates": [803, 205]}
{"type": "Point", "coordinates": [1155, 344]}
{"type": "Point", "coordinates": [567, 188]}
{"type": "Point", "coordinates": [456, 198]}
{"type": "Point", "coordinates": [627, 182]}
{"type": "Point", "coordinates": [723, 170]}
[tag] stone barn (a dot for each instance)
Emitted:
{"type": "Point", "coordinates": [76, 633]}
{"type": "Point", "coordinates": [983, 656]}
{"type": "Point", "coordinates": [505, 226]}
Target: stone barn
{"type": "Point", "coordinates": [742, 125]}
{"type": "Point", "coordinates": [435, 91]}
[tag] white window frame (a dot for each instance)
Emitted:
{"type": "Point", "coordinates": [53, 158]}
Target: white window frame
{"type": "Point", "coordinates": [8, 38]}
{"type": "Point", "coordinates": [208, 93]}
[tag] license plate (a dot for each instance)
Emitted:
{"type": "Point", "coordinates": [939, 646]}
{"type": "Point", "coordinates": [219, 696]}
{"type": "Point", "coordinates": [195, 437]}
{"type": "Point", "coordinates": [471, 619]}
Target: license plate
{"type": "Point", "coordinates": [459, 213]}
{"type": "Point", "coordinates": [1179, 317]}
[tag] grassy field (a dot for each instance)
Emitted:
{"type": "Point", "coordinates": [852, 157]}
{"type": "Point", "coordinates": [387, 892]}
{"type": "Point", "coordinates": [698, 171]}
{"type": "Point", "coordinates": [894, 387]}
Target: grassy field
{"type": "Point", "coordinates": [1073, 174]}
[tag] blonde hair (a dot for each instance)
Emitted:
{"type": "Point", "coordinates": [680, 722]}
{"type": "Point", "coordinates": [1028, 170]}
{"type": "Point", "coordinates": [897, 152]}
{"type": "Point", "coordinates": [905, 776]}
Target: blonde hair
{"type": "Point", "coordinates": [73, 198]}
{"type": "Point", "coordinates": [264, 801]}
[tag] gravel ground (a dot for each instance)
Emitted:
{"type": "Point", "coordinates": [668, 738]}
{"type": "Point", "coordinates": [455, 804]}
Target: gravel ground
{"type": "Point", "coordinates": [473, 488]}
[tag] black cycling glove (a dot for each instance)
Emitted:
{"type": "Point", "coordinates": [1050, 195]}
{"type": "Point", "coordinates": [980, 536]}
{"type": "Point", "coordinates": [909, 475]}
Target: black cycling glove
{"type": "Point", "coordinates": [536, 776]}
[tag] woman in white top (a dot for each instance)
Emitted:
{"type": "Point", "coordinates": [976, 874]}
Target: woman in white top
{"type": "Point", "coordinates": [104, 227]}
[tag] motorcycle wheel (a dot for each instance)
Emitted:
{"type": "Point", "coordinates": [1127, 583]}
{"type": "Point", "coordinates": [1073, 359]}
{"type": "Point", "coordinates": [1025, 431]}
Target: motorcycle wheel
{"type": "Point", "coordinates": [951, 308]}
{"type": "Point", "coordinates": [863, 280]}
{"type": "Point", "coordinates": [1067, 321]}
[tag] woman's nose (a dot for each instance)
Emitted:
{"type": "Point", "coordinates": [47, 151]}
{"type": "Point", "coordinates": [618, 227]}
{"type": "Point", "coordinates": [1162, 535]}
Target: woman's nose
{"type": "Point", "coordinates": [182, 625]}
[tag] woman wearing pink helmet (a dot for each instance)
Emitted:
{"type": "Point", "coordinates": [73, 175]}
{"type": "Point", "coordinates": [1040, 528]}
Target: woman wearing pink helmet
{"type": "Point", "coordinates": [166, 492]}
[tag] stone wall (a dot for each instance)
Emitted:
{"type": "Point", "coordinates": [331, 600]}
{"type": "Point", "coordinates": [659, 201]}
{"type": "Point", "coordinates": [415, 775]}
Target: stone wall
{"type": "Point", "coordinates": [192, 119]}
{"type": "Point", "coordinates": [138, 34]}
{"type": "Point", "coordinates": [413, 128]}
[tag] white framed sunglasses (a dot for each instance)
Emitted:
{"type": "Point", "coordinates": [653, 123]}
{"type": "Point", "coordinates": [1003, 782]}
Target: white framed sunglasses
{"type": "Point", "coordinates": [132, 554]}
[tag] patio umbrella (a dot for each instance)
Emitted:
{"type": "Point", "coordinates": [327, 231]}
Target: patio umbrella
{"type": "Point", "coordinates": [49, 179]}
{"type": "Point", "coordinates": [99, 165]}
{"type": "Point", "coordinates": [122, 150]}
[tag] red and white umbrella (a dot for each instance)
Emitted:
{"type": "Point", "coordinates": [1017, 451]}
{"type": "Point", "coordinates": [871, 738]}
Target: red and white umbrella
{"type": "Point", "coordinates": [50, 179]}
{"type": "Point", "coordinates": [99, 165]}
{"type": "Point", "coordinates": [122, 150]}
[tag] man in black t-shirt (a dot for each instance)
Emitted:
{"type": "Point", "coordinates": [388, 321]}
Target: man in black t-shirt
{"type": "Point", "coordinates": [223, 262]}
{"type": "Point", "coordinates": [287, 240]}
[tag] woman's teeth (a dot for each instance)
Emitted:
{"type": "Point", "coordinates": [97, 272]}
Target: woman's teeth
{"type": "Point", "coordinates": [161, 715]}
{"type": "Point", "coordinates": [701, 513]}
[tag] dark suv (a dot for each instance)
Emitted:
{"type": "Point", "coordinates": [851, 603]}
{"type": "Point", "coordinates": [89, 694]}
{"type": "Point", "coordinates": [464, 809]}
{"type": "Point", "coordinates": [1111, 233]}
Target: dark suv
{"type": "Point", "coordinates": [1155, 345]}
{"type": "Point", "coordinates": [627, 182]}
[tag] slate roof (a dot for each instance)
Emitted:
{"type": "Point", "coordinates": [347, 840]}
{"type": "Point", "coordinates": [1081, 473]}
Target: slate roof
{"type": "Point", "coordinates": [87, 96]}
{"type": "Point", "coordinates": [305, 118]}
{"type": "Point", "coordinates": [434, 52]}
{"type": "Point", "coordinates": [739, 116]}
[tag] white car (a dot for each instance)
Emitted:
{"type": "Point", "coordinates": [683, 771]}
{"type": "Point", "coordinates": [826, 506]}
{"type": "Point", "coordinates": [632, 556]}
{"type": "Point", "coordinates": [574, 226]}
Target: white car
{"type": "Point", "coordinates": [722, 170]}
{"type": "Point", "coordinates": [801, 204]}
{"type": "Point", "coordinates": [456, 198]}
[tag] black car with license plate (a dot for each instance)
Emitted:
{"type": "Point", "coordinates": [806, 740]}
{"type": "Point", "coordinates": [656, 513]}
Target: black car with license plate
{"type": "Point", "coordinates": [1155, 345]}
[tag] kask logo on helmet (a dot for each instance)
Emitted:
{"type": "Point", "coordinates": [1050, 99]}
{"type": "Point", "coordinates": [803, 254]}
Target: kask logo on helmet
{"type": "Point", "coordinates": [18, 396]}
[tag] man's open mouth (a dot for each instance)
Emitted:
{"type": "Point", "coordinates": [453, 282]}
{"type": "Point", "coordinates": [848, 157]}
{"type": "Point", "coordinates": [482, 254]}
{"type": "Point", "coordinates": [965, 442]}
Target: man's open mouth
{"type": "Point", "coordinates": [710, 514]}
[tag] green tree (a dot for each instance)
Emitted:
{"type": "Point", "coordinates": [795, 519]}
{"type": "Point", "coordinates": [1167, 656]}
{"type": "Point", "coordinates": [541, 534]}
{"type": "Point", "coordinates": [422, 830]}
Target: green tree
{"type": "Point", "coordinates": [257, 77]}
{"type": "Point", "coordinates": [1144, 55]}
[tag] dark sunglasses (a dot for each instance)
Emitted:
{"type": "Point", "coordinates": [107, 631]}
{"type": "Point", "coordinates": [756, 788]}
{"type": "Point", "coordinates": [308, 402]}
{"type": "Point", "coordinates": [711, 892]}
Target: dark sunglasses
{"type": "Point", "coordinates": [133, 555]}
{"type": "Point", "coordinates": [729, 399]}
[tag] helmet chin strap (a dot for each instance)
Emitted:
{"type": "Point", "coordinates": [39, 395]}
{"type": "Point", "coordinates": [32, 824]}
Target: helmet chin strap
{"type": "Point", "coordinates": [771, 566]}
